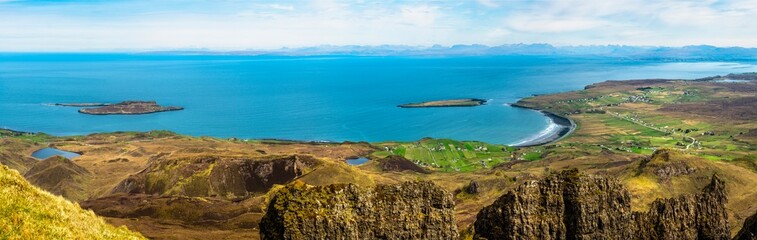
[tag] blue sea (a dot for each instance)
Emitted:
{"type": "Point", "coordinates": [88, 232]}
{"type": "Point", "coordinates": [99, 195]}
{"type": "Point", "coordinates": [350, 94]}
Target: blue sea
{"type": "Point", "coordinates": [324, 98]}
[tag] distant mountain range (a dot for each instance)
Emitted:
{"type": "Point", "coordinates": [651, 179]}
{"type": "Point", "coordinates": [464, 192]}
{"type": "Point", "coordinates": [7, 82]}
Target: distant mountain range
{"type": "Point", "coordinates": [698, 52]}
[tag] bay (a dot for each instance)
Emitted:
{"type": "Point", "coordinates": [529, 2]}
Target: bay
{"type": "Point", "coordinates": [322, 98]}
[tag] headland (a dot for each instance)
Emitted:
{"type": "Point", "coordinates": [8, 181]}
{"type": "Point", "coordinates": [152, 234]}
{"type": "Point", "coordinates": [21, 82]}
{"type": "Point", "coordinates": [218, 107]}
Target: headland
{"type": "Point", "coordinates": [464, 102]}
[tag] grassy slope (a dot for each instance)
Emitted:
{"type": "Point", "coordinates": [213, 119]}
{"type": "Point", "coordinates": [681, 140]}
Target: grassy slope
{"type": "Point", "coordinates": [26, 212]}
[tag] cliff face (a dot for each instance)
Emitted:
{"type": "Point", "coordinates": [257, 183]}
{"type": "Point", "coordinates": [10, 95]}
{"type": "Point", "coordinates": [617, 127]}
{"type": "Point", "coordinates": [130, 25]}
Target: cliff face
{"type": "Point", "coordinates": [571, 205]}
{"type": "Point", "coordinates": [565, 205]}
{"type": "Point", "coordinates": [701, 216]}
{"type": "Point", "coordinates": [411, 210]}
{"type": "Point", "coordinates": [214, 176]}
{"type": "Point", "coordinates": [749, 231]}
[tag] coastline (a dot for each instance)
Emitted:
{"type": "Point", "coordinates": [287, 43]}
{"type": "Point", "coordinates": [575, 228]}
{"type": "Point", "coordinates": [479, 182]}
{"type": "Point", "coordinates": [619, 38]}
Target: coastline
{"type": "Point", "coordinates": [559, 128]}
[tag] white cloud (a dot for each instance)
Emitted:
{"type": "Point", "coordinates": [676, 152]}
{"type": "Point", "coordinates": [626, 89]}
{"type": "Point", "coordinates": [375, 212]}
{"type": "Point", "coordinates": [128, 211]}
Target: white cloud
{"type": "Point", "coordinates": [281, 7]}
{"type": "Point", "coordinates": [636, 22]}
{"type": "Point", "coordinates": [419, 15]}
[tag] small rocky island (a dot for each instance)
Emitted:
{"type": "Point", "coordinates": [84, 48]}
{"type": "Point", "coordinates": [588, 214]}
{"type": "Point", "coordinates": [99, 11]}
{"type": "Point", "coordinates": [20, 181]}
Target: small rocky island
{"type": "Point", "coordinates": [464, 102]}
{"type": "Point", "coordinates": [127, 108]}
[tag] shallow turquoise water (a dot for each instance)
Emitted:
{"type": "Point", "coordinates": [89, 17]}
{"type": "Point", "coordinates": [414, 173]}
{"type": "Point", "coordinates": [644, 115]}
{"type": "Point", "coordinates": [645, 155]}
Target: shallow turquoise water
{"type": "Point", "coordinates": [333, 98]}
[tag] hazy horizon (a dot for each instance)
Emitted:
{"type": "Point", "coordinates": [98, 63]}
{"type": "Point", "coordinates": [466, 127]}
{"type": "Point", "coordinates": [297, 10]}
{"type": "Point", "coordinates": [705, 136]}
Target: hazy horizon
{"type": "Point", "coordinates": [126, 25]}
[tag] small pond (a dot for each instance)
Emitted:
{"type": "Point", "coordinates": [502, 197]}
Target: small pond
{"type": "Point", "coordinates": [49, 152]}
{"type": "Point", "coordinates": [356, 161]}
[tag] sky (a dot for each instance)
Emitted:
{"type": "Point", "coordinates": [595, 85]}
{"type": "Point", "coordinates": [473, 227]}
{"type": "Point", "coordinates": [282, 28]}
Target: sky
{"type": "Point", "coordinates": [114, 25]}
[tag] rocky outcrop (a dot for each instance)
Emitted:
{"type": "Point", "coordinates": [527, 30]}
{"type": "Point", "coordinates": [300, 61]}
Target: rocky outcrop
{"type": "Point", "coordinates": [701, 216]}
{"type": "Point", "coordinates": [60, 176]}
{"type": "Point", "coordinates": [215, 175]}
{"type": "Point", "coordinates": [411, 210]}
{"type": "Point", "coordinates": [562, 206]}
{"type": "Point", "coordinates": [749, 230]}
{"type": "Point", "coordinates": [397, 163]}
{"type": "Point", "coordinates": [571, 205]}
{"type": "Point", "coordinates": [666, 164]}
{"type": "Point", "coordinates": [128, 108]}
{"type": "Point", "coordinates": [472, 188]}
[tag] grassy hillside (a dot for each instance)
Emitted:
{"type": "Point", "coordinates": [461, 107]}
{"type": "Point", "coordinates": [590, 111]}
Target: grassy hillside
{"type": "Point", "coordinates": [712, 119]}
{"type": "Point", "coordinates": [26, 212]}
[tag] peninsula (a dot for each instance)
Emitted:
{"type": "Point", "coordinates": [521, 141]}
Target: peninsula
{"type": "Point", "coordinates": [464, 102]}
{"type": "Point", "coordinates": [82, 104]}
{"type": "Point", "coordinates": [129, 108]}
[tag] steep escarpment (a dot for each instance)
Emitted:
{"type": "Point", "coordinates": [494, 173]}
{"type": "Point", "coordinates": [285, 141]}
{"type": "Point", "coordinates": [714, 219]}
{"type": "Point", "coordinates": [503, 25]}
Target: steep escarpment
{"type": "Point", "coordinates": [561, 206]}
{"type": "Point", "coordinates": [572, 205]}
{"type": "Point", "coordinates": [749, 230]}
{"type": "Point", "coordinates": [60, 176]}
{"type": "Point", "coordinates": [701, 216]}
{"type": "Point", "coordinates": [229, 177]}
{"type": "Point", "coordinates": [411, 210]}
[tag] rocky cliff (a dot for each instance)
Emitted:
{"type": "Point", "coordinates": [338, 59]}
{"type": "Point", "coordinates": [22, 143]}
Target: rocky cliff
{"type": "Point", "coordinates": [572, 205]}
{"type": "Point", "coordinates": [749, 231]}
{"type": "Point", "coordinates": [411, 210]}
{"type": "Point", "coordinates": [215, 175]}
{"type": "Point", "coordinates": [701, 216]}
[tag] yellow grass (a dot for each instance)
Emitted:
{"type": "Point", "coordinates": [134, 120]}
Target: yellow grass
{"type": "Point", "coordinates": [27, 212]}
{"type": "Point", "coordinates": [644, 190]}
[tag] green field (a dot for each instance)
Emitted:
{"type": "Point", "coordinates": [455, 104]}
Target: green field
{"type": "Point", "coordinates": [449, 155]}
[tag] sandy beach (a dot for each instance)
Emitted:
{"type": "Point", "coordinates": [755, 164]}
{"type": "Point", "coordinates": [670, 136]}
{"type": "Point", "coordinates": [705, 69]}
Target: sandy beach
{"type": "Point", "coordinates": [559, 127]}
